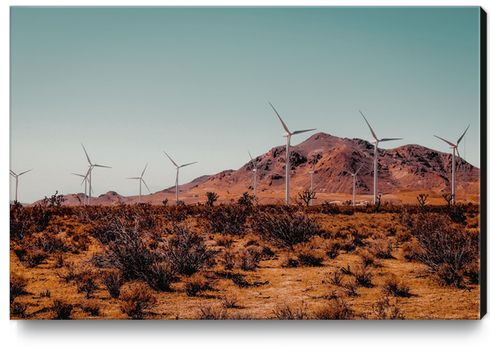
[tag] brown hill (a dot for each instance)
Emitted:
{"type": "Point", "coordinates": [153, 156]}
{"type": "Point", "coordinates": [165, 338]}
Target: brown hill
{"type": "Point", "coordinates": [409, 167]}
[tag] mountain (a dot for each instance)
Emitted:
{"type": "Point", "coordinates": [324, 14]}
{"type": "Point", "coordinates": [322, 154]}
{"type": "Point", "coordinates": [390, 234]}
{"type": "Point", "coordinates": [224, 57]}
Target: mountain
{"type": "Point", "coordinates": [406, 169]}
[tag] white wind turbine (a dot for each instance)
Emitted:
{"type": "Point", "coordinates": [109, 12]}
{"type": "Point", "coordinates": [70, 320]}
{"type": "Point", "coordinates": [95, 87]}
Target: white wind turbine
{"type": "Point", "coordinates": [288, 143]}
{"type": "Point", "coordinates": [85, 179]}
{"type": "Point", "coordinates": [312, 172]}
{"type": "Point", "coordinates": [177, 178]}
{"type": "Point", "coordinates": [17, 180]}
{"type": "Point", "coordinates": [141, 180]}
{"type": "Point", "coordinates": [376, 141]}
{"type": "Point", "coordinates": [89, 173]}
{"type": "Point", "coordinates": [454, 147]}
{"type": "Point", "coordinates": [354, 182]}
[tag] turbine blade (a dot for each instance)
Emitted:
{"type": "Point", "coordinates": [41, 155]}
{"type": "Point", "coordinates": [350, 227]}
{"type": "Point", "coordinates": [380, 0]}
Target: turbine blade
{"type": "Point", "coordinates": [457, 143]}
{"type": "Point", "coordinates": [171, 159]}
{"type": "Point", "coordinates": [78, 175]}
{"type": "Point", "coordinates": [372, 131]}
{"type": "Point", "coordinates": [13, 173]}
{"type": "Point", "coordinates": [457, 151]}
{"type": "Point", "coordinates": [187, 164]}
{"type": "Point", "coordinates": [107, 167]}
{"type": "Point", "coordinates": [146, 185]}
{"type": "Point", "coordinates": [24, 172]}
{"type": "Point", "coordinates": [133, 178]}
{"type": "Point", "coordinates": [251, 159]}
{"type": "Point", "coordinates": [144, 170]}
{"type": "Point", "coordinates": [359, 169]}
{"type": "Point", "coordinates": [284, 125]}
{"type": "Point", "coordinates": [86, 154]}
{"type": "Point", "coordinates": [449, 143]}
{"type": "Point", "coordinates": [301, 131]}
{"type": "Point", "coordinates": [390, 139]}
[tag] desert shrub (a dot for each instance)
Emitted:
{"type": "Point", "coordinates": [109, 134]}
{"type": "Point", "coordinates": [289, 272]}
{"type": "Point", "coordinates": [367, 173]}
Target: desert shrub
{"type": "Point", "coordinates": [229, 301]}
{"type": "Point", "coordinates": [69, 273]}
{"type": "Point", "coordinates": [332, 249]}
{"type": "Point", "coordinates": [137, 301]}
{"type": "Point", "coordinates": [160, 276]}
{"type": "Point", "coordinates": [187, 251]}
{"type": "Point", "coordinates": [212, 198]}
{"type": "Point", "coordinates": [248, 258]}
{"type": "Point", "coordinates": [129, 252]}
{"type": "Point", "coordinates": [45, 294]}
{"type": "Point", "coordinates": [472, 272]}
{"type": "Point", "coordinates": [347, 244]}
{"type": "Point", "coordinates": [209, 312]}
{"type": "Point", "coordinates": [113, 281]}
{"type": "Point", "coordinates": [18, 284]}
{"type": "Point", "coordinates": [285, 311]}
{"type": "Point", "coordinates": [368, 259]}
{"type": "Point", "coordinates": [195, 284]}
{"type": "Point", "coordinates": [350, 287]}
{"type": "Point", "coordinates": [86, 283]}
{"type": "Point", "coordinates": [49, 242]}
{"type": "Point", "coordinates": [91, 307]}
{"type": "Point", "coordinates": [381, 248]}
{"type": "Point", "coordinates": [18, 309]}
{"type": "Point", "coordinates": [308, 255]}
{"type": "Point", "coordinates": [225, 219]}
{"type": "Point", "coordinates": [289, 261]}
{"type": "Point", "coordinates": [403, 236]}
{"type": "Point", "coordinates": [20, 251]}
{"type": "Point", "coordinates": [445, 249]}
{"type": "Point", "coordinates": [411, 251]}
{"type": "Point", "coordinates": [228, 259]}
{"type": "Point", "coordinates": [336, 309]}
{"type": "Point", "coordinates": [387, 309]}
{"type": "Point", "coordinates": [363, 276]}
{"type": "Point", "coordinates": [61, 309]}
{"type": "Point", "coordinates": [336, 278]}
{"type": "Point", "coordinates": [456, 213]}
{"type": "Point", "coordinates": [394, 286]}
{"type": "Point", "coordinates": [225, 241]}
{"type": "Point", "coordinates": [35, 257]}
{"type": "Point", "coordinates": [58, 260]}
{"type": "Point", "coordinates": [286, 228]}
{"type": "Point", "coordinates": [246, 200]}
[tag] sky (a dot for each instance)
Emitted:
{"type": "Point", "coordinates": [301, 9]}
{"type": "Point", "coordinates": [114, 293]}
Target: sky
{"type": "Point", "coordinates": [132, 82]}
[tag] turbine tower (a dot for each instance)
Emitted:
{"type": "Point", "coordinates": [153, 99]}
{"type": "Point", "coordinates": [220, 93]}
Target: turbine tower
{"type": "Point", "coordinates": [89, 173]}
{"type": "Point", "coordinates": [177, 178]}
{"type": "Point", "coordinates": [17, 180]}
{"type": "Point", "coordinates": [288, 135]}
{"type": "Point", "coordinates": [354, 181]}
{"type": "Point", "coordinates": [311, 173]}
{"type": "Point", "coordinates": [454, 147]}
{"type": "Point", "coordinates": [141, 180]}
{"type": "Point", "coordinates": [376, 141]}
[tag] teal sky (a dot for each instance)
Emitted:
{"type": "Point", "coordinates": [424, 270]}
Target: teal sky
{"type": "Point", "coordinates": [129, 83]}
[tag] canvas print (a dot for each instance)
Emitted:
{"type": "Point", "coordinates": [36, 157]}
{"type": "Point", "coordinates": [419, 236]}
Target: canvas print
{"type": "Point", "coordinates": [246, 163]}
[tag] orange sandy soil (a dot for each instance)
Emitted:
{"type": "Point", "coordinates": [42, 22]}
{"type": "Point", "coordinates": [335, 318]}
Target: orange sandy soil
{"type": "Point", "coordinates": [271, 285]}
{"type": "Point", "coordinates": [196, 195]}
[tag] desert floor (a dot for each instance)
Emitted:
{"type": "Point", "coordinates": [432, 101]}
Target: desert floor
{"type": "Point", "coordinates": [357, 263]}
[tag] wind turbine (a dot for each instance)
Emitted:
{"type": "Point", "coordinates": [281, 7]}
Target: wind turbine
{"type": "Point", "coordinates": [177, 178]}
{"type": "Point", "coordinates": [255, 175]}
{"type": "Point", "coordinates": [141, 180]}
{"type": "Point", "coordinates": [288, 135]}
{"type": "Point", "coordinates": [376, 141]}
{"type": "Point", "coordinates": [354, 181]}
{"type": "Point", "coordinates": [85, 179]}
{"type": "Point", "coordinates": [311, 173]}
{"type": "Point", "coordinates": [454, 147]}
{"type": "Point", "coordinates": [89, 173]}
{"type": "Point", "coordinates": [17, 180]}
